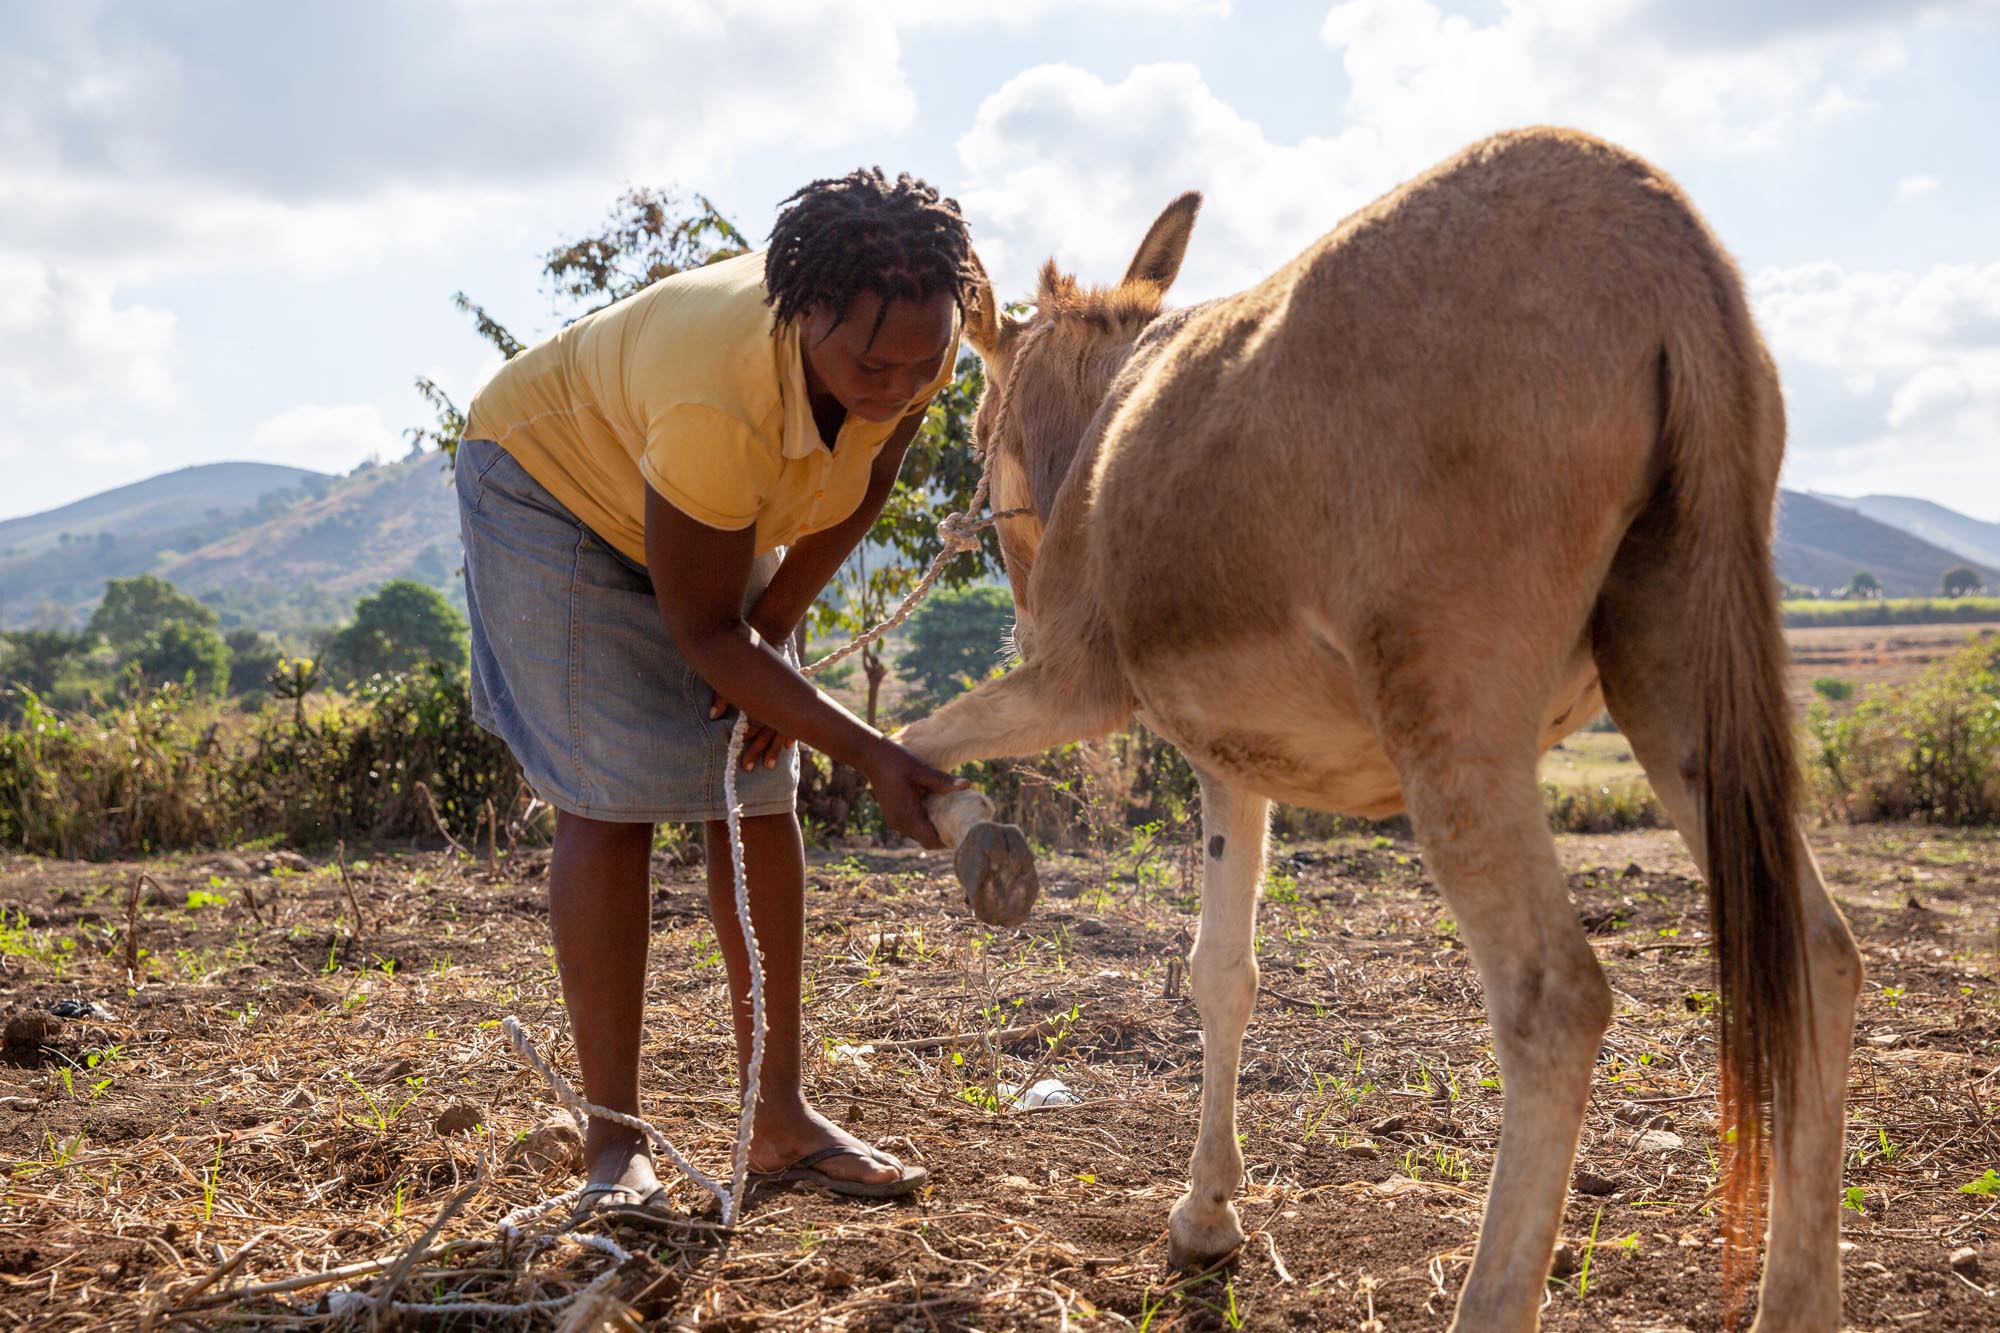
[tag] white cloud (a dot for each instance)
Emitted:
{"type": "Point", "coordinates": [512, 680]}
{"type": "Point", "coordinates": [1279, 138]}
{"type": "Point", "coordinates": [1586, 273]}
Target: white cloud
{"type": "Point", "coordinates": [95, 449]}
{"type": "Point", "coordinates": [1064, 161]}
{"type": "Point", "coordinates": [1894, 377]}
{"type": "Point", "coordinates": [325, 437]}
{"type": "Point", "coordinates": [1914, 187]}
{"type": "Point", "coordinates": [12, 447]}
{"type": "Point", "coordinates": [65, 341]}
{"type": "Point", "coordinates": [1428, 82]}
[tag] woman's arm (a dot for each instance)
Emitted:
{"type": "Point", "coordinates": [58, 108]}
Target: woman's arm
{"type": "Point", "coordinates": [702, 607]}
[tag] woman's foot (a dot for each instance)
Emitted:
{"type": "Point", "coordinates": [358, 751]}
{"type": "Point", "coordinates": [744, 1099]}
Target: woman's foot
{"type": "Point", "coordinates": [798, 1139]}
{"type": "Point", "coordinates": [618, 1169]}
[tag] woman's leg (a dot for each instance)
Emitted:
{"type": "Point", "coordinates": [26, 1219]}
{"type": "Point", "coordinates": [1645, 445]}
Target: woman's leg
{"type": "Point", "coordinates": [774, 863]}
{"type": "Point", "coordinates": [599, 914]}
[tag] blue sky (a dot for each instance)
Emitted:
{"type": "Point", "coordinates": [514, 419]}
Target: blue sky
{"type": "Point", "coordinates": [232, 229]}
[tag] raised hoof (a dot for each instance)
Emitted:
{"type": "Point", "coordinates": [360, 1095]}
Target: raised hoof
{"type": "Point", "coordinates": [997, 871]}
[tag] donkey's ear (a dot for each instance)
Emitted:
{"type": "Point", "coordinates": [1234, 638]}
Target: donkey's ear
{"type": "Point", "coordinates": [982, 312]}
{"type": "Point", "coordinates": [1159, 257]}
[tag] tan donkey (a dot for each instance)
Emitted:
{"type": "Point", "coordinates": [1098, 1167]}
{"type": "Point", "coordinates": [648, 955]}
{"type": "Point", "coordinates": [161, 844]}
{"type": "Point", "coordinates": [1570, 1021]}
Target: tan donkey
{"type": "Point", "coordinates": [1372, 536]}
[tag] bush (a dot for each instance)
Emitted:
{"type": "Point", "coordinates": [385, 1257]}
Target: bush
{"type": "Point", "coordinates": [1833, 689]}
{"type": "Point", "coordinates": [163, 769]}
{"type": "Point", "coordinates": [1926, 750]}
{"type": "Point", "coordinates": [185, 653]}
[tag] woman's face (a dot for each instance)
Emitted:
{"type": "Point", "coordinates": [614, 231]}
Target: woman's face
{"type": "Point", "coordinates": [877, 379]}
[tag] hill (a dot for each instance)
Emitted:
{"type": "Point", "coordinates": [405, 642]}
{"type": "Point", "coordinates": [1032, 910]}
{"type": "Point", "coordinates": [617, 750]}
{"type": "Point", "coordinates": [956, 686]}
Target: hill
{"type": "Point", "coordinates": [305, 566]}
{"type": "Point", "coordinates": [272, 548]}
{"type": "Point", "coordinates": [54, 563]}
{"type": "Point", "coordinates": [1973, 539]}
{"type": "Point", "coordinates": [1823, 545]}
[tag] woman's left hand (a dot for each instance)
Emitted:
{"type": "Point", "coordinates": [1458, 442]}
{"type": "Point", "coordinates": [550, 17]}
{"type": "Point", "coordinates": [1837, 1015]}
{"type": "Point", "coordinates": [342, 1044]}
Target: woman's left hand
{"type": "Point", "coordinates": [761, 744]}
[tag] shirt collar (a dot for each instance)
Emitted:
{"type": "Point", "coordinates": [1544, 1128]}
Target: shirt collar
{"type": "Point", "coordinates": [801, 432]}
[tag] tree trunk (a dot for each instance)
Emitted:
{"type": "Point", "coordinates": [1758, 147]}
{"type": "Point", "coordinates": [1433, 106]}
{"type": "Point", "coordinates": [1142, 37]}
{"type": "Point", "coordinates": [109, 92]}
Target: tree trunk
{"type": "Point", "coordinates": [875, 669]}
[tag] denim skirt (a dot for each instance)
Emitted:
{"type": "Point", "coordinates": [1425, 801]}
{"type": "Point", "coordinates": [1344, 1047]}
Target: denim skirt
{"type": "Point", "coordinates": [573, 667]}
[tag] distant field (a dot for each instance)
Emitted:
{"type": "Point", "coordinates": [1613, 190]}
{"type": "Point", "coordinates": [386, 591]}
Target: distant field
{"type": "Point", "coordinates": [1806, 614]}
{"type": "Point", "coordinates": [1592, 759]}
{"type": "Point", "coordinates": [1873, 654]}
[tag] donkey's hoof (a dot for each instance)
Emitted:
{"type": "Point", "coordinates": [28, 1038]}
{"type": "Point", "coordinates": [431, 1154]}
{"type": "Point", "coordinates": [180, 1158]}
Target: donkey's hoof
{"type": "Point", "coordinates": [997, 871]}
{"type": "Point", "coordinates": [1190, 1249]}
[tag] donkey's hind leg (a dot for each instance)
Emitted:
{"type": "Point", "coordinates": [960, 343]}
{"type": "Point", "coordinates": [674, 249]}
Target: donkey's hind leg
{"type": "Point", "coordinates": [1477, 809]}
{"type": "Point", "coordinates": [1642, 663]}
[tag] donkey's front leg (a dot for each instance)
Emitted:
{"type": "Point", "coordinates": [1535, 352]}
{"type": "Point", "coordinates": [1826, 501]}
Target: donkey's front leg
{"type": "Point", "coordinates": [1030, 709]}
{"type": "Point", "coordinates": [1204, 1227]}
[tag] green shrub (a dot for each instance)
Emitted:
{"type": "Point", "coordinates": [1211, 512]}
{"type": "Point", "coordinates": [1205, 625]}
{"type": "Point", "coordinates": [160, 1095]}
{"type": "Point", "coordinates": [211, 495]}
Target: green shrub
{"type": "Point", "coordinates": [1927, 750]}
{"type": "Point", "coordinates": [163, 769]}
{"type": "Point", "coordinates": [1833, 689]}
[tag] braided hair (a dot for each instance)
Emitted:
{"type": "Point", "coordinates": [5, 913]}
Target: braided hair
{"type": "Point", "coordinates": [863, 232]}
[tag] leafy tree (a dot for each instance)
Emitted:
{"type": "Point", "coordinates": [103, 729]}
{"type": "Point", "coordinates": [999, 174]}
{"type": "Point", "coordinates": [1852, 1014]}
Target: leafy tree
{"type": "Point", "coordinates": [253, 656]}
{"type": "Point", "coordinates": [402, 625]}
{"type": "Point", "coordinates": [133, 608]}
{"type": "Point", "coordinates": [955, 639]}
{"type": "Point", "coordinates": [1864, 584]}
{"type": "Point", "coordinates": [183, 650]}
{"type": "Point", "coordinates": [1961, 581]}
{"type": "Point", "coordinates": [32, 658]}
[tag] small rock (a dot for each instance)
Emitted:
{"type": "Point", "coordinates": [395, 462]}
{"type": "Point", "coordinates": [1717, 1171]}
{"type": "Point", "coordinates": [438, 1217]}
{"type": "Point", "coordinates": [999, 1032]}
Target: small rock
{"type": "Point", "coordinates": [1564, 1263]}
{"type": "Point", "coordinates": [225, 863]}
{"type": "Point", "coordinates": [1965, 1262]}
{"type": "Point", "coordinates": [32, 1030]}
{"type": "Point", "coordinates": [1633, 1113]}
{"type": "Point", "coordinates": [459, 1118]}
{"type": "Point", "coordinates": [836, 1278]}
{"type": "Point", "coordinates": [81, 1009]}
{"type": "Point", "coordinates": [1390, 1125]}
{"type": "Point", "coordinates": [390, 1071]}
{"type": "Point", "coordinates": [282, 861]}
{"type": "Point", "coordinates": [297, 1099]}
{"type": "Point", "coordinates": [1657, 1140]}
{"type": "Point", "coordinates": [1360, 1148]}
{"type": "Point", "coordinates": [20, 1103]}
{"type": "Point", "coordinates": [1014, 1185]}
{"type": "Point", "coordinates": [1884, 1038]}
{"type": "Point", "coordinates": [553, 1145]}
{"type": "Point", "coordinates": [1589, 1182]}
{"type": "Point", "coordinates": [1632, 870]}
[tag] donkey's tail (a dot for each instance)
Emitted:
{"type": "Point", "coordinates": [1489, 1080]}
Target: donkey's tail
{"type": "Point", "coordinates": [1725, 434]}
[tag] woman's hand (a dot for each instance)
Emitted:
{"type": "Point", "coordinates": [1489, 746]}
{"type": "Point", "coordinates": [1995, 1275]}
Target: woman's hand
{"type": "Point", "coordinates": [760, 743]}
{"type": "Point", "coordinates": [902, 782]}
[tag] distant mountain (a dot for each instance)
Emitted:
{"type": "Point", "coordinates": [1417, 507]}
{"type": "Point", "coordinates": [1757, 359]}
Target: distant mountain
{"type": "Point", "coordinates": [1824, 545]}
{"type": "Point", "coordinates": [272, 548]}
{"type": "Point", "coordinates": [54, 563]}
{"type": "Point", "coordinates": [1971, 538]}
{"type": "Point", "coordinates": [306, 566]}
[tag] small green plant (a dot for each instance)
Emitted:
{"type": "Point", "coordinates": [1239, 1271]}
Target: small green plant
{"type": "Point", "coordinates": [208, 1177]}
{"type": "Point", "coordinates": [1854, 1198]}
{"type": "Point", "coordinates": [1892, 994]}
{"type": "Point", "coordinates": [198, 898]}
{"type": "Point", "coordinates": [1986, 1184]}
{"type": "Point", "coordinates": [378, 1118]}
{"type": "Point", "coordinates": [1589, 1249]}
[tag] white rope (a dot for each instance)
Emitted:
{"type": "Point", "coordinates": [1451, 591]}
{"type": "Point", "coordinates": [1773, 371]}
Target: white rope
{"type": "Point", "coordinates": [959, 532]}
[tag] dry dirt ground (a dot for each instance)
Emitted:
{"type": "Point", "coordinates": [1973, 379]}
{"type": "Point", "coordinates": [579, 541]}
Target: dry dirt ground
{"type": "Point", "coordinates": [251, 1136]}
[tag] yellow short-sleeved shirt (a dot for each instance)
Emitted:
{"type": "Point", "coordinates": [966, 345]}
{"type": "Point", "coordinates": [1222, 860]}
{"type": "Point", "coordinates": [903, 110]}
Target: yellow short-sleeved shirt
{"type": "Point", "coordinates": [687, 387]}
